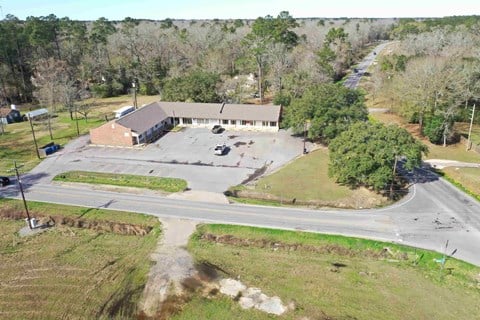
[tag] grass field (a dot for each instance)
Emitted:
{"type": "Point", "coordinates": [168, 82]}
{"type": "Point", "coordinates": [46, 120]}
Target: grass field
{"type": "Point", "coordinates": [469, 178]}
{"type": "Point", "coordinates": [341, 278]}
{"type": "Point", "coordinates": [126, 180]}
{"type": "Point", "coordinates": [307, 179]}
{"type": "Point", "coordinates": [73, 273]}
{"type": "Point", "coordinates": [17, 141]}
{"type": "Point", "coordinates": [46, 209]}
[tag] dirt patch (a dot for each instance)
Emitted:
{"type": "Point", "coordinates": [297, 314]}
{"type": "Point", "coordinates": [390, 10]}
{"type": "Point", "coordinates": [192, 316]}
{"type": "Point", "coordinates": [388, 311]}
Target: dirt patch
{"type": "Point", "coordinates": [257, 173]}
{"type": "Point", "coordinates": [97, 225]}
{"type": "Point", "coordinates": [322, 249]}
{"type": "Point", "coordinates": [239, 143]}
{"type": "Point", "coordinates": [164, 292]}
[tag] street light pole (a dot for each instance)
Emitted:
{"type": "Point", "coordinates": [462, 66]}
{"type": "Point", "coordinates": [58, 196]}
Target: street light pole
{"type": "Point", "coordinates": [23, 195]}
{"type": "Point", "coordinates": [34, 139]}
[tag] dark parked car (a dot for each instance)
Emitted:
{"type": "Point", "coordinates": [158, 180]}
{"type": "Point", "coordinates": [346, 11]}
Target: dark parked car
{"type": "Point", "coordinates": [217, 129]}
{"type": "Point", "coordinates": [4, 181]}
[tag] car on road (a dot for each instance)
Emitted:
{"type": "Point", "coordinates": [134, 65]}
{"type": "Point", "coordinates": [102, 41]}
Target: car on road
{"type": "Point", "coordinates": [217, 129]}
{"type": "Point", "coordinates": [355, 70]}
{"type": "Point", "coordinates": [220, 149]}
{"type": "Point", "coordinates": [4, 181]}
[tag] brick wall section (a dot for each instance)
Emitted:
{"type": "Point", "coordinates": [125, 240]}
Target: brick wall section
{"type": "Point", "coordinates": [111, 134]}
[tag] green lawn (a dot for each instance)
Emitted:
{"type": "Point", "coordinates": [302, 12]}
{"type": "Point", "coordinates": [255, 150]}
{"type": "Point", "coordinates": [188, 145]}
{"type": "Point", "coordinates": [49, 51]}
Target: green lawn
{"type": "Point", "coordinates": [306, 179]}
{"type": "Point", "coordinates": [125, 180]}
{"type": "Point", "coordinates": [17, 141]}
{"type": "Point", "coordinates": [70, 272]}
{"type": "Point", "coordinates": [367, 285]}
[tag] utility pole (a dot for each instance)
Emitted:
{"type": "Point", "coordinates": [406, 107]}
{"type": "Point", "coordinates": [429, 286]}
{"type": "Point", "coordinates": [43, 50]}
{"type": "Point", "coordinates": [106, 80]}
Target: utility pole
{"type": "Point", "coordinates": [15, 168]}
{"type": "Point", "coordinates": [304, 137]}
{"type": "Point", "coordinates": [50, 126]}
{"type": "Point", "coordinates": [134, 87]}
{"type": "Point", "coordinates": [393, 176]}
{"type": "Point", "coordinates": [76, 121]}
{"type": "Point", "coordinates": [469, 143]}
{"type": "Point", "coordinates": [33, 134]}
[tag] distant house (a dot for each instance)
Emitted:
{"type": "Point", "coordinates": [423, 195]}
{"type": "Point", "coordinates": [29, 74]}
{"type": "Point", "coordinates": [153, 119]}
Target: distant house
{"type": "Point", "coordinates": [148, 123]}
{"type": "Point", "coordinates": [8, 115]}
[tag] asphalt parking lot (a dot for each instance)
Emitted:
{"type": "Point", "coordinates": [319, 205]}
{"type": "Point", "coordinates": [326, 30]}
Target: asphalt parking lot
{"type": "Point", "coordinates": [187, 154]}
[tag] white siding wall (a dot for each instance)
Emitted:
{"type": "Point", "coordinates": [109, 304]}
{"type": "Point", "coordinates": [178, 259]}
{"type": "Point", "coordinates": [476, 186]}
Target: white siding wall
{"type": "Point", "coordinates": [254, 125]}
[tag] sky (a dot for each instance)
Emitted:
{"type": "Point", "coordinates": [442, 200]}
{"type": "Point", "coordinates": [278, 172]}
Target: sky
{"type": "Point", "coordinates": [236, 9]}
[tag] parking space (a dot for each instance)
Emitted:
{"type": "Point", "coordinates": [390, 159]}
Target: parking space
{"type": "Point", "coordinates": [187, 154]}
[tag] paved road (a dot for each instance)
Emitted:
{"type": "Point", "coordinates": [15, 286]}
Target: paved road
{"type": "Point", "coordinates": [433, 212]}
{"type": "Point", "coordinates": [354, 78]}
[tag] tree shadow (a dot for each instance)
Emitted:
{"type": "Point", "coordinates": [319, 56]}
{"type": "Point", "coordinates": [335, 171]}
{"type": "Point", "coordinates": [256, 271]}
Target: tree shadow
{"type": "Point", "coordinates": [425, 174]}
{"type": "Point", "coordinates": [27, 180]}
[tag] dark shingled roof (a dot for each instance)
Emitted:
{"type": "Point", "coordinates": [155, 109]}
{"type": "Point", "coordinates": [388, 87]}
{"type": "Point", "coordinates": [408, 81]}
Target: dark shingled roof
{"type": "Point", "coordinates": [220, 111]}
{"type": "Point", "coordinates": [146, 117]}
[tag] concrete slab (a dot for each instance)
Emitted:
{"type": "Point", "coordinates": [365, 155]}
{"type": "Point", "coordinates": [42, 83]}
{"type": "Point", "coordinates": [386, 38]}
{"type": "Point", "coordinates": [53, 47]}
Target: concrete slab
{"type": "Point", "coordinates": [187, 154]}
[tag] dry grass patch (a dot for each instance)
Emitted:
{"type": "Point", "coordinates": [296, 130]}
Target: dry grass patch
{"type": "Point", "coordinates": [455, 151]}
{"type": "Point", "coordinates": [71, 273]}
{"type": "Point", "coordinates": [469, 178]}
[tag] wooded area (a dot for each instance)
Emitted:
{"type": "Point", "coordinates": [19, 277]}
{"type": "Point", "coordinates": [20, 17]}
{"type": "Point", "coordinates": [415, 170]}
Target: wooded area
{"type": "Point", "coordinates": [56, 61]}
{"type": "Point", "coordinates": [433, 77]}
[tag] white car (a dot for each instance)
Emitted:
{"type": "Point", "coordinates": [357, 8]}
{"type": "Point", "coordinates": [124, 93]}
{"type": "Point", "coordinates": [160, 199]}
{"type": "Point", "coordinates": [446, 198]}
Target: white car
{"type": "Point", "coordinates": [220, 149]}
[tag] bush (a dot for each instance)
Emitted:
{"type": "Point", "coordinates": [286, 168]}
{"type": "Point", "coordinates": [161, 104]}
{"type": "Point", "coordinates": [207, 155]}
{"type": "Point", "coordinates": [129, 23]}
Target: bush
{"type": "Point", "coordinates": [282, 99]}
{"type": "Point", "coordinates": [434, 128]}
{"type": "Point", "coordinates": [106, 90]}
{"type": "Point", "coordinates": [148, 89]}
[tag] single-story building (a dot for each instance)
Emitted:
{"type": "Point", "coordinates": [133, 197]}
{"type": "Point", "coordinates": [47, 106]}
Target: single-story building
{"type": "Point", "coordinates": [148, 123]}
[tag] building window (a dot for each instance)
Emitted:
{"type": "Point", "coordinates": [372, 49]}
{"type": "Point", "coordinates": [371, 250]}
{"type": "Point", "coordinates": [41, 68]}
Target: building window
{"type": "Point", "coordinates": [187, 120]}
{"type": "Point", "coordinates": [200, 121]}
{"type": "Point", "coordinates": [233, 122]}
{"type": "Point", "coordinates": [264, 123]}
{"type": "Point", "coordinates": [224, 121]}
{"type": "Point", "coordinates": [244, 122]}
{"type": "Point", "coordinates": [273, 123]}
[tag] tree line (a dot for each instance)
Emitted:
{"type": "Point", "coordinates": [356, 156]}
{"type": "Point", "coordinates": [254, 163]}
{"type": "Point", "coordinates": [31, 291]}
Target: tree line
{"type": "Point", "coordinates": [57, 61]}
{"type": "Point", "coordinates": [433, 78]}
